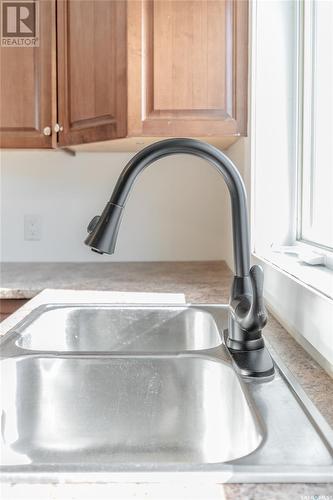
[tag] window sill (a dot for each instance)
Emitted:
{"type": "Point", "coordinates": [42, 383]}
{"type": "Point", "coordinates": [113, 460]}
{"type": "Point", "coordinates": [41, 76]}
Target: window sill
{"type": "Point", "coordinates": [294, 294]}
{"type": "Point", "coordinates": [318, 278]}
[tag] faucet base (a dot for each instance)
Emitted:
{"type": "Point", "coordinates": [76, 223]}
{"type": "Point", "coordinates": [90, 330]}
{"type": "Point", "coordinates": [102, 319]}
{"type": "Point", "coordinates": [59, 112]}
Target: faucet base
{"type": "Point", "coordinates": [254, 363]}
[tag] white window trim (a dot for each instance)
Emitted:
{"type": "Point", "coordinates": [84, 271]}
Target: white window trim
{"type": "Point", "coordinates": [305, 134]}
{"type": "Point", "coordinates": [307, 262]}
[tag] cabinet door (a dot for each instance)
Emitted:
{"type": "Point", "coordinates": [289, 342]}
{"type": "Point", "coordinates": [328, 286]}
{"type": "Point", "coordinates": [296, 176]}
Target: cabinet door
{"type": "Point", "coordinates": [187, 67]}
{"type": "Point", "coordinates": [26, 94]}
{"type": "Point", "coordinates": [92, 102]}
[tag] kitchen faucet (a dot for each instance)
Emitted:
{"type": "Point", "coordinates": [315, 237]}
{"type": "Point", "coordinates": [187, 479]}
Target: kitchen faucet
{"type": "Point", "coordinates": [247, 314]}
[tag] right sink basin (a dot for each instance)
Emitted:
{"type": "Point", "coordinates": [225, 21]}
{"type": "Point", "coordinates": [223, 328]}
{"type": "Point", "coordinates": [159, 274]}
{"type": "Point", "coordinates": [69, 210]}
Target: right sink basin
{"type": "Point", "coordinates": [120, 329]}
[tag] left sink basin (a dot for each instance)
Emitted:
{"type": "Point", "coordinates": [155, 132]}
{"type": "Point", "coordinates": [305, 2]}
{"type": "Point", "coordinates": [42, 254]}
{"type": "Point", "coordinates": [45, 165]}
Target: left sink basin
{"type": "Point", "coordinates": [119, 329]}
{"type": "Point", "coordinates": [98, 411]}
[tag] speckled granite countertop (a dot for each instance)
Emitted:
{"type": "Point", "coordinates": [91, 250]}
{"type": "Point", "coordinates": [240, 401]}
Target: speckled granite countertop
{"type": "Point", "coordinates": [200, 282]}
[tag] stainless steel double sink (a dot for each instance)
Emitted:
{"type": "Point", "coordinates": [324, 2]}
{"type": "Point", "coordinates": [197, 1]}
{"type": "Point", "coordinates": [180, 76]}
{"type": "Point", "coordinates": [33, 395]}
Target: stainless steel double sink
{"type": "Point", "coordinates": [103, 392]}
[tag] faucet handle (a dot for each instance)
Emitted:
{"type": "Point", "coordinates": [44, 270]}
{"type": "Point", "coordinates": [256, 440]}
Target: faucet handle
{"type": "Point", "coordinates": [257, 280]}
{"type": "Point", "coordinates": [258, 309]}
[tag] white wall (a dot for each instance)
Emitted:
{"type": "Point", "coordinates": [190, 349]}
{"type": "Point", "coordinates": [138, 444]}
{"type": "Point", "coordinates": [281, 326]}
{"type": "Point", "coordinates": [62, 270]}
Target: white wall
{"type": "Point", "coordinates": [177, 210]}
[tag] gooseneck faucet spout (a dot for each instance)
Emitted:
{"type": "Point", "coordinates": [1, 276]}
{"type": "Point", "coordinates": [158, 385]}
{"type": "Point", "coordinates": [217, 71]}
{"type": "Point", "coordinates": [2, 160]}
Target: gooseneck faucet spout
{"type": "Point", "coordinates": [247, 312]}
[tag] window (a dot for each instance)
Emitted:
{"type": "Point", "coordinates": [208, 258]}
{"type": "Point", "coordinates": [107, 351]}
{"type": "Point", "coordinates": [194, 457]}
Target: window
{"type": "Point", "coordinates": [315, 220]}
{"type": "Point", "coordinates": [292, 139]}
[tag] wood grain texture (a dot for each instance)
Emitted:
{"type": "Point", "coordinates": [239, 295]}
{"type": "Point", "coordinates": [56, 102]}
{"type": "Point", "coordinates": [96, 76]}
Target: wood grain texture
{"type": "Point", "coordinates": [26, 92]}
{"type": "Point", "coordinates": [187, 67]}
{"type": "Point", "coordinates": [187, 39]}
{"type": "Point", "coordinates": [108, 69]}
{"type": "Point", "coordinates": [8, 306]}
{"type": "Point", "coordinates": [92, 104]}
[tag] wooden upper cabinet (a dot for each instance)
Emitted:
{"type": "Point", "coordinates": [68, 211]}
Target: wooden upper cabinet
{"type": "Point", "coordinates": [26, 88]}
{"type": "Point", "coordinates": [92, 92]}
{"type": "Point", "coordinates": [187, 67]}
{"type": "Point", "coordinates": [108, 69]}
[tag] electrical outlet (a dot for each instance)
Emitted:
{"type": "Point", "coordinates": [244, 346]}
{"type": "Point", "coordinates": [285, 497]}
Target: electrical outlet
{"type": "Point", "coordinates": [32, 227]}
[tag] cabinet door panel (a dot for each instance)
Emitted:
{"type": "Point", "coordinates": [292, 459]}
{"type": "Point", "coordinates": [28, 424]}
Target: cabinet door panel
{"type": "Point", "coordinates": [91, 70]}
{"type": "Point", "coordinates": [190, 69]}
{"type": "Point", "coordinates": [187, 67]}
{"type": "Point", "coordinates": [26, 88]}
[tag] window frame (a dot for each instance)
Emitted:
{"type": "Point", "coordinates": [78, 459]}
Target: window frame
{"type": "Point", "coordinates": [305, 125]}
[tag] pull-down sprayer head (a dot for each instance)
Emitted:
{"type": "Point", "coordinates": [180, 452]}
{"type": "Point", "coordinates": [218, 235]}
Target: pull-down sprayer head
{"type": "Point", "coordinates": [103, 229]}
